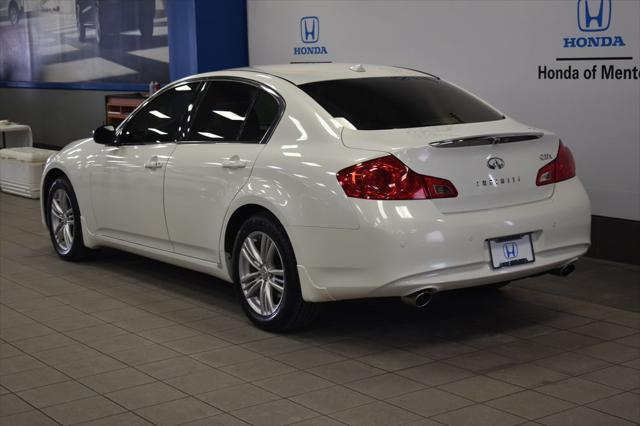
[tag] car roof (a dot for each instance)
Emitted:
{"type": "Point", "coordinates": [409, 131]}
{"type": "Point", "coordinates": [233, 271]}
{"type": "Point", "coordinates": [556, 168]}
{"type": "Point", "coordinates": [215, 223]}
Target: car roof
{"type": "Point", "coordinates": [312, 72]}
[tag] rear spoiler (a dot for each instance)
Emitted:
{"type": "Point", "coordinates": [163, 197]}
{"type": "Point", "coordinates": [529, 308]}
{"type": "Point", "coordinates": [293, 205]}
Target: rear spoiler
{"type": "Point", "coordinates": [486, 140]}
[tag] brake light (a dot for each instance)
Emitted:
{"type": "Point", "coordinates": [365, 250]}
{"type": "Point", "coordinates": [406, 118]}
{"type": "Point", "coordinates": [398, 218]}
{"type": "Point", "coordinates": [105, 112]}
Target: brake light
{"type": "Point", "coordinates": [563, 167]}
{"type": "Point", "coordinates": [388, 178]}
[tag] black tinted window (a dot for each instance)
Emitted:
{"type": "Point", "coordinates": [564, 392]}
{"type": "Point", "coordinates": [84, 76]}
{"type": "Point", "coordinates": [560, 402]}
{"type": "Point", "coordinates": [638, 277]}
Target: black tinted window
{"type": "Point", "coordinates": [158, 121]}
{"type": "Point", "coordinates": [398, 102]}
{"type": "Point", "coordinates": [223, 111]}
{"type": "Point", "coordinates": [262, 115]}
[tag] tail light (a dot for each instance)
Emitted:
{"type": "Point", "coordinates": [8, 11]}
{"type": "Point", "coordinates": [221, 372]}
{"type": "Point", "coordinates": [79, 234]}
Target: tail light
{"type": "Point", "coordinates": [388, 178]}
{"type": "Point", "coordinates": [563, 167]}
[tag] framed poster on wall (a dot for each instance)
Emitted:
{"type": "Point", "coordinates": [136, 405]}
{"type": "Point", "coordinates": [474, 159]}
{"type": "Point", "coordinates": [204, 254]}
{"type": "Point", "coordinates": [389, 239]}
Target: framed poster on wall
{"type": "Point", "coordinates": [84, 44]}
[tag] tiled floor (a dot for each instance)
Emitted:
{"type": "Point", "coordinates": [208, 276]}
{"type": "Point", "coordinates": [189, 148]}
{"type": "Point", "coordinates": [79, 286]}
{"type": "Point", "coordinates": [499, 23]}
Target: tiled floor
{"type": "Point", "coordinates": [121, 340]}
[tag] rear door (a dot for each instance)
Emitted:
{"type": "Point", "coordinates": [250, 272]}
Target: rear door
{"type": "Point", "coordinates": [214, 160]}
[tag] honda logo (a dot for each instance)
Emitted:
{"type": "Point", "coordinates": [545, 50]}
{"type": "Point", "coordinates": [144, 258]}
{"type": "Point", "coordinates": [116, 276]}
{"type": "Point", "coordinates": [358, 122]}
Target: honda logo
{"type": "Point", "coordinates": [510, 250]}
{"type": "Point", "coordinates": [594, 15]}
{"type": "Point", "coordinates": [495, 163]}
{"type": "Point", "coordinates": [309, 29]}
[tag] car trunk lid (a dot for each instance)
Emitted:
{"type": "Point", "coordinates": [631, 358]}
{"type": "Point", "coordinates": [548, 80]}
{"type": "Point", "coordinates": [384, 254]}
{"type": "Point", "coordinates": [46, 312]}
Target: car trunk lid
{"type": "Point", "coordinates": [491, 164]}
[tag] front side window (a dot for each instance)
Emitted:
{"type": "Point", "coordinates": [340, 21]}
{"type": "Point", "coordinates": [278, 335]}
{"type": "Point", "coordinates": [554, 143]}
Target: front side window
{"type": "Point", "coordinates": [158, 121]}
{"type": "Point", "coordinates": [380, 103]}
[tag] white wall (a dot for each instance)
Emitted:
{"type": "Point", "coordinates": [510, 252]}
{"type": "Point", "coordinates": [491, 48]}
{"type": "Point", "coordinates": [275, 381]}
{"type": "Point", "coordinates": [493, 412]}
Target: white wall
{"type": "Point", "coordinates": [493, 48]}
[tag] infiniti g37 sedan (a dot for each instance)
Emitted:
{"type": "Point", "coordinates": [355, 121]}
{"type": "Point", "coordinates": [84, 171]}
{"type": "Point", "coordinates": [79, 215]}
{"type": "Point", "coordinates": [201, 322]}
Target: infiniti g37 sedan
{"type": "Point", "coordinates": [309, 183]}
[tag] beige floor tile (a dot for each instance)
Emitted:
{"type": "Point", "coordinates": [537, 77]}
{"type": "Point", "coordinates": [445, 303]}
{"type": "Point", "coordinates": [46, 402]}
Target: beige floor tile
{"type": "Point", "coordinates": [83, 410]}
{"type": "Point", "coordinates": [480, 388]}
{"type": "Point", "coordinates": [430, 402]}
{"type": "Point", "coordinates": [346, 371]}
{"type": "Point", "coordinates": [330, 400]}
{"type": "Point", "coordinates": [203, 381]}
{"type": "Point", "coordinates": [116, 380]}
{"type": "Point", "coordinates": [375, 414]}
{"type": "Point", "coordinates": [11, 404]}
{"type": "Point", "coordinates": [527, 375]}
{"type": "Point", "coordinates": [274, 413]}
{"type": "Point", "coordinates": [578, 391]}
{"type": "Point", "coordinates": [173, 367]}
{"type": "Point", "coordinates": [478, 415]}
{"type": "Point", "coordinates": [530, 405]}
{"type": "Point", "coordinates": [435, 374]}
{"type": "Point", "coordinates": [237, 397]}
{"type": "Point", "coordinates": [625, 405]}
{"type": "Point", "coordinates": [145, 395]}
{"type": "Point", "coordinates": [57, 393]}
{"type": "Point", "coordinates": [177, 412]}
{"type": "Point", "coordinates": [583, 416]}
{"type": "Point", "coordinates": [32, 379]}
{"type": "Point", "coordinates": [257, 369]}
{"type": "Point", "coordinates": [294, 383]}
{"type": "Point", "coordinates": [28, 418]}
{"type": "Point", "coordinates": [385, 386]}
{"type": "Point", "coordinates": [617, 376]}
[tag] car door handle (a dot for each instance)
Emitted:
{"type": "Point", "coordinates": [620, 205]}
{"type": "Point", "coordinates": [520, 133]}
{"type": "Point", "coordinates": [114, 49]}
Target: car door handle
{"type": "Point", "coordinates": [234, 163]}
{"type": "Point", "coordinates": [153, 163]}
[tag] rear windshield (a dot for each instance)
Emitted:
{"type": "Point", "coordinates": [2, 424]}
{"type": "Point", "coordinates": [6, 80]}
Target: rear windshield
{"type": "Point", "coordinates": [379, 103]}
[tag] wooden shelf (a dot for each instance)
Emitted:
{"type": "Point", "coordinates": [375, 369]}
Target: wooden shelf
{"type": "Point", "coordinates": [118, 107]}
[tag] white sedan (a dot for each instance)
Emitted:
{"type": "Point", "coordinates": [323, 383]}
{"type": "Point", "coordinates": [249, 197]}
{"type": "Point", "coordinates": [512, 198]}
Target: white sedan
{"type": "Point", "coordinates": [310, 183]}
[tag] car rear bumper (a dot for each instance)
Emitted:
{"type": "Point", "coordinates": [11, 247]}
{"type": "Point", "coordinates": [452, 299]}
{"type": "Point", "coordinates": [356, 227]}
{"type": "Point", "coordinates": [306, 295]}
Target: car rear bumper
{"type": "Point", "coordinates": [405, 246]}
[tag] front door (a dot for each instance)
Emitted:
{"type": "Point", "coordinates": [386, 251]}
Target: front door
{"type": "Point", "coordinates": [127, 179]}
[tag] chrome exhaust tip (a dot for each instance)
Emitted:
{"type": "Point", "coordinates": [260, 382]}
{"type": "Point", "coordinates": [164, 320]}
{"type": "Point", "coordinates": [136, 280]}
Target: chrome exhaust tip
{"type": "Point", "coordinates": [565, 270]}
{"type": "Point", "coordinates": [419, 299]}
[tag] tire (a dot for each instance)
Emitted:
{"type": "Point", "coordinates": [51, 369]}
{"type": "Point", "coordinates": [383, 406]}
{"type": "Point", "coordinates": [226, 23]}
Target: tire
{"type": "Point", "coordinates": [63, 221]}
{"type": "Point", "coordinates": [272, 301]}
{"type": "Point", "coordinates": [14, 13]}
{"type": "Point", "coordinates": [82, 30]}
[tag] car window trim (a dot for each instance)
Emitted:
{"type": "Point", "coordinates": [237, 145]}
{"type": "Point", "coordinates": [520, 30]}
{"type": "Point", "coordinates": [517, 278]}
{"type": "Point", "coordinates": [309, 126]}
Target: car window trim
{"type": "Point", "coordinates": [260, 86]}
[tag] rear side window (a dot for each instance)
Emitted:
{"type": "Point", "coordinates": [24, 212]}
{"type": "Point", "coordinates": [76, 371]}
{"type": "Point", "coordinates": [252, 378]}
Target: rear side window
{"type": "Point", "coordinates": [222, 112]}
{"type": "Point", "coordinates": [380, 103]}
{"type": "Point", "coordinates": [261, 117]}
{"type": "Point", "coordinates": [233, 111]}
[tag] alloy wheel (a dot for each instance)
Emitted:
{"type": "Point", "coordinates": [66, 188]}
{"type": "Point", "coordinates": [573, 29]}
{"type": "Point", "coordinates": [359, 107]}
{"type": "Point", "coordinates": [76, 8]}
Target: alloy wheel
{"type": "Point", "coordinates": [62, 221]}
{"type": "Point", "coordinates": [261, 274]}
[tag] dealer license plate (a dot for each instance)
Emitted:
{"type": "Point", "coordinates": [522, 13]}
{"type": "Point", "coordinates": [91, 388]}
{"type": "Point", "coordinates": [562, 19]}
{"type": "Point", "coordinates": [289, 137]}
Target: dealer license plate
{"type": "Point", "coordinates": [511, 251]}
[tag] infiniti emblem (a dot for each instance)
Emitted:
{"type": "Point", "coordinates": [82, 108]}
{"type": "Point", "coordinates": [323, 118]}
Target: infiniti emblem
{"type": "Point", "coordinates": [495, 163]}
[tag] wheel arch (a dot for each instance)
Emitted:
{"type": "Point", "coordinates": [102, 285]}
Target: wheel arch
{"type": "Point", "coordinates": [48, 179]}
{"type": "Point", "coordinates": [237, 218]}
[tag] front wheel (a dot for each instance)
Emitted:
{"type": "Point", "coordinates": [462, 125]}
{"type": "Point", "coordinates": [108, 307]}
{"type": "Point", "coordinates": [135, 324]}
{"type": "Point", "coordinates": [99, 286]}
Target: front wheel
{"type": "Point", "coordinates": [63, 219]}
{"type": "Point", "coordinates": [266, 276]}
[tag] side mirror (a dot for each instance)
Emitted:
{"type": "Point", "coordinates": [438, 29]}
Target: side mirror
{"type": "Point", "coordinates": [105, 135]}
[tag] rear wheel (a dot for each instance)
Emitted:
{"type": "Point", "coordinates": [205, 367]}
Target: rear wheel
{"type": "Point", "coordinates": [63, 219]}
{"type": "Point", "coordinates": [266, 276]}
